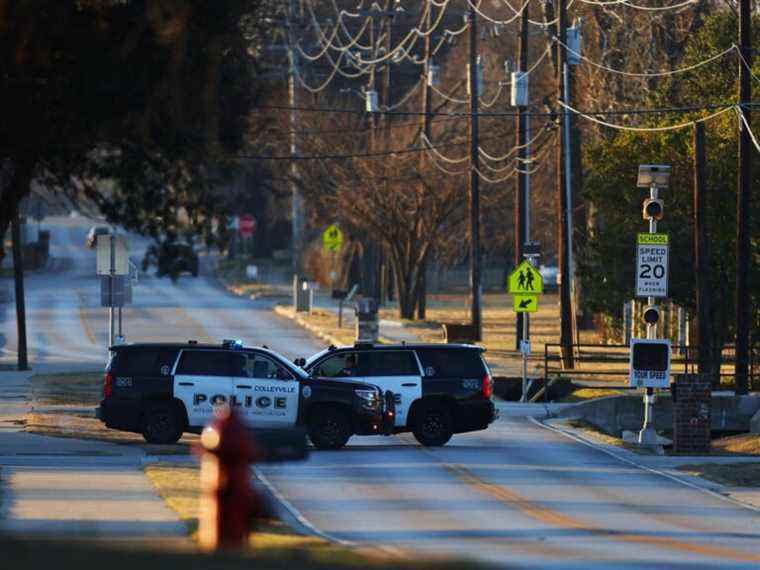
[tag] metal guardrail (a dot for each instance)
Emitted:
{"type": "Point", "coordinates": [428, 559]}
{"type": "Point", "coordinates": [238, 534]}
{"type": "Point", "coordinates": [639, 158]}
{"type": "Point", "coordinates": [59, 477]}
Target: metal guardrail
{"type": "Point", "coordinates": [610, 362]}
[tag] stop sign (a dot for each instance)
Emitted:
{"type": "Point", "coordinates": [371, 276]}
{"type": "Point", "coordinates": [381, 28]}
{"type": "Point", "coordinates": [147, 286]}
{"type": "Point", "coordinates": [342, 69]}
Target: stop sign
{"type": "Point", "coordinates": [247, 225]}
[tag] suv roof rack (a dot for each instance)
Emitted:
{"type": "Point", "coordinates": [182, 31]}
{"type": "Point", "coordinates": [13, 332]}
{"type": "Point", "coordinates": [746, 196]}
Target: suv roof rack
{"type": "Point", "coordinates": [364, 344]}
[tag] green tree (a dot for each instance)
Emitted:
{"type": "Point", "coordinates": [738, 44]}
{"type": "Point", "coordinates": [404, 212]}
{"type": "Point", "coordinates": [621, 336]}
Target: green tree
{"type": "Point", "coordinates": [131, 103]}
{"type": "Point", "coordinates": [606, 266]}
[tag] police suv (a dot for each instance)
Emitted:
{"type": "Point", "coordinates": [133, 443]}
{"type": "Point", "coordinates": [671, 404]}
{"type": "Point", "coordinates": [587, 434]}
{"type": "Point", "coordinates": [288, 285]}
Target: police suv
{"type": "Point", "coordinates": [439, 389]}
{"type": "Point", "coordinates": [162, 390]}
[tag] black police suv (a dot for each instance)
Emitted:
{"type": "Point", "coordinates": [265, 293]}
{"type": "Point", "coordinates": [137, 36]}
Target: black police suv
{"type": "Point", "coordinates": [162, 390]}
{"type": "Point", "coordinates": [439, 389]}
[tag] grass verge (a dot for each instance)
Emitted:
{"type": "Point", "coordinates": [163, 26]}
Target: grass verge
{"type": "Point", "coordinates": [78, 388]}
{"type": "Point", "coordinates": [232, 274]}
{"type": "Point", "coordinates": [273, 542]}
{"type": "Point", "coordinates": [63, 405]}
{"type": "Point", "coordinates": [583, 394]}
{"type": "Point", "coordinates": [732, 474]}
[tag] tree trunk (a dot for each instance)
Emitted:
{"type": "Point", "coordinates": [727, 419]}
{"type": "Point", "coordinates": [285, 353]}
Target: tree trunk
{"type": "Point", "coordinates": [422, 292]}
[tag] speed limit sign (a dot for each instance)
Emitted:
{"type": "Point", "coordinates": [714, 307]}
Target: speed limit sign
{"type": "Point", "coordinates": [652, 265]}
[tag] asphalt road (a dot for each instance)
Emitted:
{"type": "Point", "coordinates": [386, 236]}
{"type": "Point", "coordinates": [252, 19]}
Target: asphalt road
{"type": "Point", "coordinates": [67, 328]}
{"type": "Point", "coordinates": [518, 494]}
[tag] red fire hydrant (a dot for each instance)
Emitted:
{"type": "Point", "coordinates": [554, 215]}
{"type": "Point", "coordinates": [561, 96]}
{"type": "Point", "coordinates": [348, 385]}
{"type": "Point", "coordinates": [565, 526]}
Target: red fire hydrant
{"type": "Point", "coordinates": [228, 501]}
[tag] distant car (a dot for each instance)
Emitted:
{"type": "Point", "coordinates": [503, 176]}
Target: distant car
{"type": "Point", "coordinates": [95, 231]}
{"type": "Point", "coordinates": [172, 258]}
{"type": "Point", "coordinates": [550, 273]}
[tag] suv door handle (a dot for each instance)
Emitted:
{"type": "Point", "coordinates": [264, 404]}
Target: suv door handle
{"type": "Point", "coordinates": [243, 386]}
{"type": "Point", "coordinates": [409, 384]}
{"type": "Point", "coordinates": [186, 384]}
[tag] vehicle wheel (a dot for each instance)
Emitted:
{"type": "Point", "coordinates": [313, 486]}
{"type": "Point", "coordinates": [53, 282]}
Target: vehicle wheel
{"type": "Point", "coordinates": [329, 428]}
{"type": "Point", "coordinates": [433, 425]}
{"type": "Point", "coordinates": [162, 425]}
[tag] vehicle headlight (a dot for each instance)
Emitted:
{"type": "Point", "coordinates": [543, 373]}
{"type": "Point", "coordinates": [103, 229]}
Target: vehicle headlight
{"type": "Point", "coordinates": [370, 398]}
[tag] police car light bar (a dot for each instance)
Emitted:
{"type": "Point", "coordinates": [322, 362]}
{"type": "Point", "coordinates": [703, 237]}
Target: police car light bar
{"type": "Point", "coordinates": [232, 343]}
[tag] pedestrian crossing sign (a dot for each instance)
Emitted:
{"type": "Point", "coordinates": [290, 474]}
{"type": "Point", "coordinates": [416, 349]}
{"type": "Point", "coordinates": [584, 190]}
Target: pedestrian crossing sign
{"type": "Point", "coordinates": [332, 239]}
{"type": "Point", "coordinates": [525, 280]}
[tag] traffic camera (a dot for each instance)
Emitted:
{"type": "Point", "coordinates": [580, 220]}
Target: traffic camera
{"type": "Point", "coordinates": [651, 315]}
{"type": "Point", "coordinates": [653, 209]}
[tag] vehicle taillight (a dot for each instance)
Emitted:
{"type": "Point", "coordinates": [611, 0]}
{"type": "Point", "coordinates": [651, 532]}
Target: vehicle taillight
{"type": "Point", "coordinates": [487, 386]}
{"type": "Point", "coordinates": [107, 385]}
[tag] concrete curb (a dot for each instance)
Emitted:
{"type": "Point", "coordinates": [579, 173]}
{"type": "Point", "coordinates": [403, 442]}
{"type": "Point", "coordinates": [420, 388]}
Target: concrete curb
{"type": "Point", "coordinates": [288, 313]}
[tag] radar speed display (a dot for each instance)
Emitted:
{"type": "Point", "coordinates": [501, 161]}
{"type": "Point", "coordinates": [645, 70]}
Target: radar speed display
{"type": "Point", "coordinates": [649, 363]}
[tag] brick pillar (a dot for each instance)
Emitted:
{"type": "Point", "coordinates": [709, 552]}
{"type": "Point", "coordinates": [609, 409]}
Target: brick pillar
{"type": "Point", "coordinates": [691, 413]}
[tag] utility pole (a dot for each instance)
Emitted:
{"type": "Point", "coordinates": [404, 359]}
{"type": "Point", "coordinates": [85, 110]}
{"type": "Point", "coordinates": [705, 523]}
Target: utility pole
{"type": "Point", "coordinates": [702, 260]}
{"type": "Point", "coordinates": [521, 197]}
{"type": "Point", "coordinates": [382, 267]}
{"type": "Point", "coordinates": [18, 276]}
{"type": "Point", "coordinates": [563, 199]}
{"type": "Point", "coordinates": [369, 275]}
{"type": "Point", "coordinates": [475, 276]}
{"type": "Point", "coordinates": [427, 130]}
{"type": "Point", "coordinates": [297, 216]}
{"type": "Point", "coordinates": [742, 204]}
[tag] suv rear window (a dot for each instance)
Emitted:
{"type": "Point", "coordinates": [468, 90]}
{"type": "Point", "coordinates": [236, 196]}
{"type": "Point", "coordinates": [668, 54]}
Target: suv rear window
{"type": "Point", "coordinates": [208, 363]}
{"type": "Point", "coordinates": [144, 361]}
{"type": "Point", "coordinates": [390, 363]}
{"type": "Point", "coordinates": [462, 362]}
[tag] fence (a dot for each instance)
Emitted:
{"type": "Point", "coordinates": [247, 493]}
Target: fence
{"type": "Point", "coordinates": [607, 366]}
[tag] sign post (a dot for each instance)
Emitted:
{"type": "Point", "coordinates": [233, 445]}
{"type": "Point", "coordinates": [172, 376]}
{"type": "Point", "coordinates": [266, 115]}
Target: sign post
{"type": "Point", "coordinates": [113, 266]}
{"type": "Point", "coordinates": [247, 224]}
{"type": "Point", "coordinates": [652, 252]}
{"type": "Point", "coordinates": [526, 284]}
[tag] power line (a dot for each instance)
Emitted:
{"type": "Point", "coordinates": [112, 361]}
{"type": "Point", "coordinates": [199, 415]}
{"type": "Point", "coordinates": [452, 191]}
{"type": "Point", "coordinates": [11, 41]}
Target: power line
{"type": "Point", "coordinates": [628, 4]}
{"type": "Point", "coordinates": [496, 114]}
{"type": "Point", "coordinates": [647, 129]}
{"type": "Point", "coordinates": [648, 74]}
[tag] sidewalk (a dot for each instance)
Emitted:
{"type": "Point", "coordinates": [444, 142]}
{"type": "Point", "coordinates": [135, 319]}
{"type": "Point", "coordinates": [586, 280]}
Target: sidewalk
{"type": "Point", "coordinates": [74, 488]}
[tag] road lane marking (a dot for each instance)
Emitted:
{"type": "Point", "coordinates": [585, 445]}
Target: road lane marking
{"type": "Point", "coordinates": [294, 512]}
{"type": "Point", "coordinates": [311, 529]}
{"type": "Point", "coordinates": [554, 518]}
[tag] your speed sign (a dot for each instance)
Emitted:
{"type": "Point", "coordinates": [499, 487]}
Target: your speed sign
{"type": "Point", "coordinates": [652, 265]}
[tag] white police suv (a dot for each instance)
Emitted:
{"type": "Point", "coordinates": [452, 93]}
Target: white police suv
{"type": "Point", "coordinates": [162, 390]}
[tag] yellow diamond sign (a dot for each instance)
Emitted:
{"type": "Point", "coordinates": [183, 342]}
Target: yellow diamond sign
{"type": "Point", "coordinates": [525, 280]}
{"type": "Point", "coordinates": [526, 303]}
{"type": "Point", "coordinates": [332, 239]}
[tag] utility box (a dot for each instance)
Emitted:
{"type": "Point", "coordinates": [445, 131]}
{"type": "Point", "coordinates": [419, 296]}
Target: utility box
{"type": "Point", "coordinates": [692, 405]}
{"type": "Point", "coordinates": [303, 295]}
{"type": "Point", "coordinates": [367, 326]}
